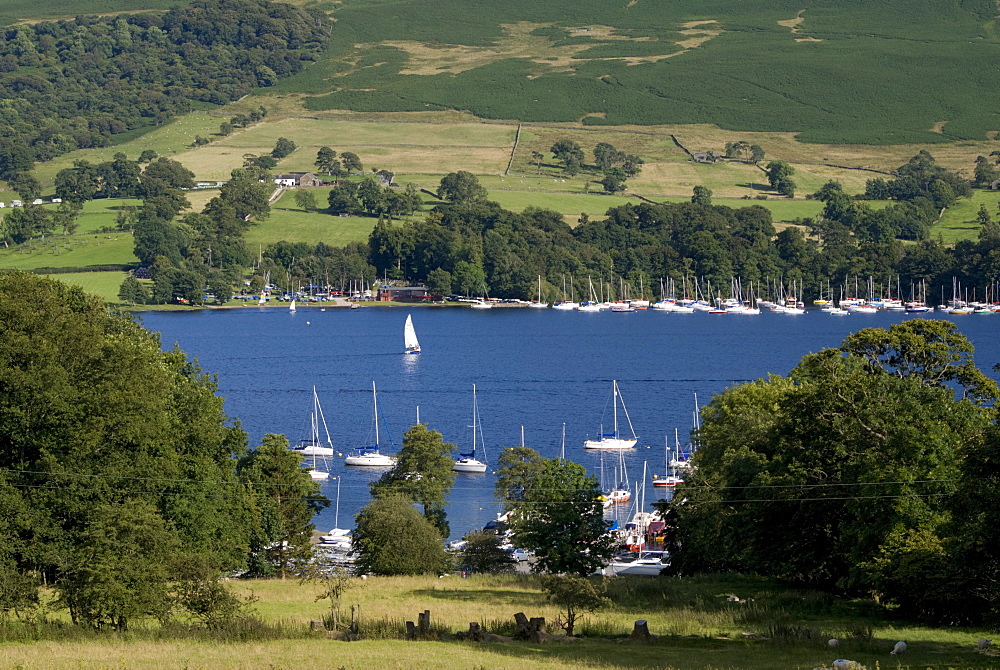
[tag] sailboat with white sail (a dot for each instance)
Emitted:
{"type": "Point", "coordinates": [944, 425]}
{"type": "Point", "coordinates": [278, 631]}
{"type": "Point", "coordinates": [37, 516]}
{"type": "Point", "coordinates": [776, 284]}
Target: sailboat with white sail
{"type": "Point", "coordinates": [410, 343]}
{"type": "Point", "coordinates": [312, 445]}
{"type": "Point", "coordinates": [468, 462]}
{"type": "Point", "coordinates": [291, 307]}
{"type": "Point", "coordinates": [614, 440]}
{"type": "Point", "coordinates": [370, 456]}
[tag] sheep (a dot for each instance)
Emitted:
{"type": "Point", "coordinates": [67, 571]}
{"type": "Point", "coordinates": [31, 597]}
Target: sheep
{"type": "Point", "coordinates": [983, 645]}
{"type": "Point", "coordinates": [899, 649]}
{"type": "Point", "coordinates": [844, 664]}
{"type": "Point", "coordinates": [833, 643]}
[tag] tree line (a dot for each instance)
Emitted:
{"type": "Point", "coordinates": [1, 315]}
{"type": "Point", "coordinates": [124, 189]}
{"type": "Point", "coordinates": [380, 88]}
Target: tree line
{"type": "Point", "coordinates": [78, 83]}
{"type": "Point", "coordinates": [868, 469]}
{"type": "Point", "coordinates": [123, 485]}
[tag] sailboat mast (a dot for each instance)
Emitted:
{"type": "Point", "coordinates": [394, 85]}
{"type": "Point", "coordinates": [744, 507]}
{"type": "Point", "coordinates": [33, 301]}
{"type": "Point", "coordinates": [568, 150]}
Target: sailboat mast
{"type": "Point", "coordinates": [474, 412]}
{"type": "Point", "coordinates": [375, 403]}
{"type": "Point", "coordinates": [615, 384]}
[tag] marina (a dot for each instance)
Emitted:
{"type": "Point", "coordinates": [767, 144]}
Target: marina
{"type": "Point", "coordinates": [535, 368]}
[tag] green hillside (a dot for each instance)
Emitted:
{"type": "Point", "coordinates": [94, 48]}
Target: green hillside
{"type": "Point", "coordinates": [837, 72]}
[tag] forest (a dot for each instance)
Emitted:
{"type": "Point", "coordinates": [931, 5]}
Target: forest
{"type": "Point", "coordinates": [67, 85]}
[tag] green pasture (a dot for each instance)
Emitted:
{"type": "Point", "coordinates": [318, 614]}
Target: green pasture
{"type": "Point", "coordinates": [83, 248]}
{"type": "Point", "coordinates": [172, 139]}
{"type": "Point", "coordinates": [842, 75]}
{"type": "Point", "coordinates": [697, 628]}
{"type": "Point", "coordinates": [288, 222]}
{"type": "Point", "coordinates": [959, 222]}
{"type": "Point", "coordinates": [103, 284]}
{"type": "Point", "coordinates": [79, 250]}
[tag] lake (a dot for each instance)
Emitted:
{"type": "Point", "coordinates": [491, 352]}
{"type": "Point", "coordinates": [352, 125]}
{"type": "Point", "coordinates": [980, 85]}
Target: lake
{"type": "Point", "coordinates": [540, 369]}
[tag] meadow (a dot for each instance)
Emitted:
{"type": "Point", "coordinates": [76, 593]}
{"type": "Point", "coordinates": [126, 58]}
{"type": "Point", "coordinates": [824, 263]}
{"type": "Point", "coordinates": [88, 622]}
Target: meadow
{"type": "Point", "coordinates": [830, 73]}
{"type": "Point", "coordinates": [696, 625]}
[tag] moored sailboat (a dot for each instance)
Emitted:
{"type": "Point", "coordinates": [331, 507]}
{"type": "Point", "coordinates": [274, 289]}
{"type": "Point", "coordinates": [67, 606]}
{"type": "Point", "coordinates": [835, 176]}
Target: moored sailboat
{"type": "Point", "coordinates": [468, 462]}
{"type": "Point", "coordinates": [613, 440]}
{"type": "Point", "coordinates": [370, 456]}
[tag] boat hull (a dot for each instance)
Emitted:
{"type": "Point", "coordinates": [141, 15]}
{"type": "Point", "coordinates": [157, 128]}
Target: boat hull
{"type": "Point", "coordinates": [371, 461]}
{"type": "Point", "coordinates": [314, 451]}
{"type": "Point", "coordinates": [469, 465]}
{"type": "Point", "coordinates": [610, 443]}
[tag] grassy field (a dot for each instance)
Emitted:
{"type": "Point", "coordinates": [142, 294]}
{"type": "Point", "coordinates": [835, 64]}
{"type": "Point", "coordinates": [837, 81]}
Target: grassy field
{"type": "Point", "coordinates": [84, 247]}
{"type": "Point", "coordinates": [959, 221]}
{"type": "Point", "coordinates": [697, 628]}
{"type": "Point", "coordinates": [103, 284]}
{"type": "Point", "coordinates": [830, 73]}
{"type": "Point", "coordinates": [288, 222]}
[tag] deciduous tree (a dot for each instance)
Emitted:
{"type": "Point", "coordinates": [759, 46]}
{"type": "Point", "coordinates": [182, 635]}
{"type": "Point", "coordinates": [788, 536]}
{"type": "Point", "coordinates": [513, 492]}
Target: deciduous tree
{"type": "Point", "coordinates": [422, 474]}
{"type": "Point", "coordinates": [392, 538]}
{"type": "Point", "coordinates": [556, 512]}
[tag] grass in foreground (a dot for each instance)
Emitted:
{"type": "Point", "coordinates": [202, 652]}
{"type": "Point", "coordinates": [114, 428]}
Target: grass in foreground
{"type": "Point", "coordinates": [698, 628]}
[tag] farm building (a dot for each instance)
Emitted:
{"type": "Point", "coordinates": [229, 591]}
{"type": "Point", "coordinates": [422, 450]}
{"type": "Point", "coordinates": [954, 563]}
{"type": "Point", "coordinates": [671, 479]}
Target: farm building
{"type": "Point", "coordinates": [297, 179]}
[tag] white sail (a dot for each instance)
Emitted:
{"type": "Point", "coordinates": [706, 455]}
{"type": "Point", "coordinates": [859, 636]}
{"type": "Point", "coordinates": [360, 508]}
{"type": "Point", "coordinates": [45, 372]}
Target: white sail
{"type": "Point", "coordinates": [410, 342]}
{"type": "Point", "coordinates": [291, 307]}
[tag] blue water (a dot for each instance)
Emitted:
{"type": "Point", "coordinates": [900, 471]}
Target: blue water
{"type": "Point", "coordinates": [539, 369]}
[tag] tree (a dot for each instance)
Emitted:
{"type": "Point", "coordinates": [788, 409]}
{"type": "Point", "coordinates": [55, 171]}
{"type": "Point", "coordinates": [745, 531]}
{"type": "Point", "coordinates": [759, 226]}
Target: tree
{"type": "Point", "coordinates": [78, 183]}
{"type": "Point", "coordinates": [537, 157]}
{"type": "Point", "coordinates": [131, 291]}
{"type": "Point", "coordinates": [632, 165]}
{"type": "Point", "coordinates": [25, 185]}
{"type": "Point", "coordinates": [930, 350]}
{"type": "Point", "coordinates": [422, 474]}
{"type": "Point", "coordinates": [779, 177]}
{"type": "Point", "coordinates": [605, 155]}
{"type": "Point", "coordinates": [569, 153]}
{"type": "Point", "coordinates": [334, 579]}
{"type": "Point", "coordinates": [282, 148]}
{"type": "Point", "coordinates": [484, 554]}
{"type": "Point", "coordinates": [556, 512]}
{"type": "Point", "coordinates": [326, 158]}
{"type": "Point", "coordinates": [575, 596]}
{"type": "Point", "coordinates": [392, 538]}
{"type": "Point", "coordinates": [170, 172]}
{"type": "Point", "coordinates": [306, 200]}
{"type": "Point", "coordinates": [737, 149]}
{"type": "Point", "coordinates": [461, 186]}
{"type": "Point", "coordinates": [120, 571]}
{"type": "Point", "coordinates": [702, 196]}
{"type": "Point", "coordinates": [287, 499]}
{"type": "Point", "coordinates": [439, 282]}
{"type": "Point", "coordinates": [147, 155]}
{"type": "Point", "coordinates": [878, 461]}
{"type": "Point", "coordinates": [351, 162]}
{"type": "Point", "coordinates": [756, 154]}
{"type": "Point", "coordinates": [343, 199]}
{"type": "Point", "coordinates": [614, 180]}
{"type": "Point", "coordinates": [112, 409]}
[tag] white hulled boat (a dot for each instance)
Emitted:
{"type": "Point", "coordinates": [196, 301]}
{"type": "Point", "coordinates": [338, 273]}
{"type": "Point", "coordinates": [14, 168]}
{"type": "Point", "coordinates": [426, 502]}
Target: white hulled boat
{"type": "Point", "coordinates": [370, 456]}
{"type": "Point", "coordinates": [312, 445]}
{"type": "Point", "coordinates": [410, 343]}
{"type": "Point", "coordinates": [613, 440]}
{"type": "Point", "coordinates": [468, 462]}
